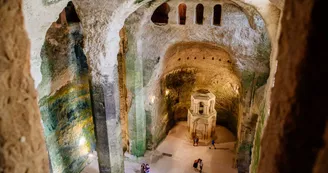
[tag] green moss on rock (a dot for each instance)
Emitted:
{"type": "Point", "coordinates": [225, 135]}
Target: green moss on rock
{"type": "Point", "coordinates": [67, 118]}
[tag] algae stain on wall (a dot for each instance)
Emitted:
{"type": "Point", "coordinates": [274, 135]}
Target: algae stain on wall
{"type": "Point", "coordinates": [65, 102]}
{"type": "Point", "coordinates": [68, 126]}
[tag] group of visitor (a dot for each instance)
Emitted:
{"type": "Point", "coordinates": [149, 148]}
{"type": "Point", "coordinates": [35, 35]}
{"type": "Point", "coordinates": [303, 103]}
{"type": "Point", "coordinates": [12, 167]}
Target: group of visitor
{"type": "Point", "coordinates": [145, 168]}
{"type": "Point", "coordinates": [200, 163]}
{"type": "Point", "coordinates": [196, 139]}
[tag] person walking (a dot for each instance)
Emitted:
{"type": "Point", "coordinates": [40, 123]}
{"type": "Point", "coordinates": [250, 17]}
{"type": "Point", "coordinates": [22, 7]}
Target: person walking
{"type": "Point", "coordinates": [200, 165]}
{"type": "Point", "coordinates": [147, 169]}
{"type": "Point", "coordinates": [195, 165]}
{"type": "Point", "coordinates": [197, 139]}
{"type": "Point", "coordinates": [213, 144]}
{"type": "Point", "coordinates": [143, 167]}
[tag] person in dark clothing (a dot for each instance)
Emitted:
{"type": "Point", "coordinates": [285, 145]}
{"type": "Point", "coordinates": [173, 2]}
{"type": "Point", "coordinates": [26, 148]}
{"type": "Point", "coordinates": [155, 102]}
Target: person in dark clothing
{"type": "Point", "coordinates": [197, 141]}
{"type": "Point", "coordinates": [195, 165]}
{"type": "Point", "coordinates": [213, 144]}
{"type": "Point", "coordinates": [143, 166]}
{"type": "Point", "coordinates": [147, 169]}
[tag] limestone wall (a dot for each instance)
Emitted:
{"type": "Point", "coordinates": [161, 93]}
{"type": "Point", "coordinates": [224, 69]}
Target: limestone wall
{"type": "Point", "coordinates": [298, 117]}
{"type": "Point", "coordinates": [39, 15]}
{"type": "Point", "coordinates": [212, 69]}
{"type": "Point", "coordinates": [22, 147]}
{"type": "Point", "coordinates": [242, 34]}
{"type": "Point", "coordinates": [65, 95]}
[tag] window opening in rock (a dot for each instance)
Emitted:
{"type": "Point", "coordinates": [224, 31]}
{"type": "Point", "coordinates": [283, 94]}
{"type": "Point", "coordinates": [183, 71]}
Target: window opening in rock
{"type": "Point", "coordinates": [201, 108]}
{"type": "Point", "coordinates": [182, 14]}
{"type": "Point", "coordinates": [199, 14]}
{"type": "Point", "coordinates": [217, 15]}
{"type": "Point", "coordinates": [161, 14]}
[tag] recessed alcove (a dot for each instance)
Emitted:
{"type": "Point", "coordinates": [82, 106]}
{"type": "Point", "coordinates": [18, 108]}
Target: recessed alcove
{"type": "Point", "coordinates": [161, 14]}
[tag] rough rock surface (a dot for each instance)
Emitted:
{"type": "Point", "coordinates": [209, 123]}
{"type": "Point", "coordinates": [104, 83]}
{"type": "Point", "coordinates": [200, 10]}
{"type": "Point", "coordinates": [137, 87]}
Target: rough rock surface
{"type": "Point", "coordinates": [64, 92]}
{"type": "Point", "coordinates": [22, 147]}
{"type": "Point", "coordinates": [212, 69]}
{"type": "Point", "coordinates": [278, 3]}
{"type": "Point", "coordinates": [295, 128]}
{"type": "Point", "coordinates": [124, 102]}
{"type": "Point", "coordinates": [39, 15]}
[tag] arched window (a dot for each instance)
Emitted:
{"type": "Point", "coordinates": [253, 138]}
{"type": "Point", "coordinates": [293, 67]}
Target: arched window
{"type": "Point", "coordinates": [201, 107]}
{"type": "Point", "coordinates": [217, 15]}
{"type": "Point", "coordinates": [182, 14]}
{"type": "Point", "coordinates": [161, 14]}
{"type": "Point", "coordinates": [199, 14]}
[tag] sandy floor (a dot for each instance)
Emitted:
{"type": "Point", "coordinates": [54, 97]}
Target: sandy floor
{"type": "Point", "coordinates": [179, 154]}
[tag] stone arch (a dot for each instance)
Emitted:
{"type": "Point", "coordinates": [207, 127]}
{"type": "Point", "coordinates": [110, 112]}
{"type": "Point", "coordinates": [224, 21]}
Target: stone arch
{"type": "Point", "coordinates": [217, 69]}
{"type": "Point", "coordinates": [64, 97]}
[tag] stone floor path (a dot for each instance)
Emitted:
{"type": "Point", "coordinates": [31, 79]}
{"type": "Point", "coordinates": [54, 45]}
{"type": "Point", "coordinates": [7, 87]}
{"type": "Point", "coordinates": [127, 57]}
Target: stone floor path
{"type": "Point", "coordinates": [179, 154]}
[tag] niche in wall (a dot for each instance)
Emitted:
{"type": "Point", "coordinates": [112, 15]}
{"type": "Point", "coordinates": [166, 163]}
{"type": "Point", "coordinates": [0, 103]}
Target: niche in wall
{"type": "Point", "coordinates": [182, 14]}
{"type": "Point", "coordinates": [217, 15]}
{"type": "Point", "coordinates": [199, 14]}
{"type": "Point", "coordinates": [161, 14]}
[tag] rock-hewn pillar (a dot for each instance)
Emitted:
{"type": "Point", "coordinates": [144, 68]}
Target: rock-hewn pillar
{"type": "Point", "coordinates": [105, 104]}
{"type": "Point", "coordinates": [22, 146]}
{"type": "Point", "coordinates": [105, 98]}
{"type": "Point", "coordinates": [137, 116]}
{"type": "Point", "coordinates": [102, 21]}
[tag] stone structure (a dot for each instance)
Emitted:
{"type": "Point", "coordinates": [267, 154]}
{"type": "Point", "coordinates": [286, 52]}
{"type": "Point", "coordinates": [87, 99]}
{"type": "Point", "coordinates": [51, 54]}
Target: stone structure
{"type": "Point", "coordinates": [296, 98]}
{"type": "Point", "coordinates": [202, 115]}
{"type": "Point", "coordinates": [242, 33]}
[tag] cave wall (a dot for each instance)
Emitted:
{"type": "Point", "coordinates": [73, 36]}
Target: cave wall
{"type": "Point", "coordinates": [192, 66]}
{"type": "Point", "coordinates": [278, 3]}
{"type": "Point", "coordinates": [124, 94]}
{"type": "Point", "coordinates": [22, 146]}
{"type": "Point", "coordinates": [39, 15]}
{"type": "Point", "coordinates": [242, 34]}
{"type": "Point", "coordinates": [65, 95]}
{"type": "Point", "coordinates": [294, 138]}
